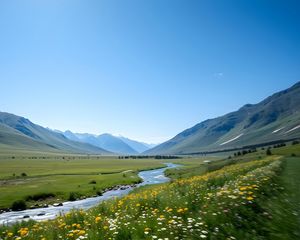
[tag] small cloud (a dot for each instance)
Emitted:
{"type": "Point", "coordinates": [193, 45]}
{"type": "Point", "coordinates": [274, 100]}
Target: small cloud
{"type": "Point", "coordinates": [218, 74]}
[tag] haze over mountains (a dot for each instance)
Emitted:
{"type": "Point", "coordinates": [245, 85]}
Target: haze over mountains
{"type": "Point", "coordinates": [275, 118]}
{"type": "Point", "coordinates": [120, 145]}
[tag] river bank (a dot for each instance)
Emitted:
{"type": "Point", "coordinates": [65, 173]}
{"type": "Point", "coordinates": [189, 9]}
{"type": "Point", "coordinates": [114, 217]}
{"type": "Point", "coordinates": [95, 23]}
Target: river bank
{"type": "Point", "coordinates": [148, 177]}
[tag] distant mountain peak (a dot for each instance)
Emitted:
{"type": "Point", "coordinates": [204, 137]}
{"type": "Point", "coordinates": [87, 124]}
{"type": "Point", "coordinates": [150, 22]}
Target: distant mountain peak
{"type": "Point", "coordinates": [110, 142]}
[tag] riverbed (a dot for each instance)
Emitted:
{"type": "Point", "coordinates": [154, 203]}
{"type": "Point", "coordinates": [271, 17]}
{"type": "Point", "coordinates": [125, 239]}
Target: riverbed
{"type": "Point", "coordinates": [155, 176]}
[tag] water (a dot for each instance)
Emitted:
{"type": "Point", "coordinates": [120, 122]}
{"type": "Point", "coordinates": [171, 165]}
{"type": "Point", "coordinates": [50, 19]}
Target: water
{"type": "Point", "coordinates": [149, 177]}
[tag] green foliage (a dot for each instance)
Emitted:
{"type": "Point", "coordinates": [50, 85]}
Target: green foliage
{"type": "Point", "coordinates": [39, 196]}
{"type": "Point", "coordinates": [268, 152]}
{"type": "Point", "coordinates": [73, 196]}
{"type": "Point", "coordinates": [18, 205]}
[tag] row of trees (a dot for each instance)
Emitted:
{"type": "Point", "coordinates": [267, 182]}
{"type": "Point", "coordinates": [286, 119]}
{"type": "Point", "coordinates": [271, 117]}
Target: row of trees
{"type": "Point", "coordinates": [146, 156]}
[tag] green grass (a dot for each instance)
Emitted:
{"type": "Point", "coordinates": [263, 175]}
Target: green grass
{"type": "Point", "coordinates": [61, 175]}
{"type": "Point", "coordinates": [247, 197]}
{"type": "Point", "coordinates": [283, 206]}
{"type": "Point", "coordinates": [208, 206]}
{"type": "Point", "coordinates": [58, 166]}
{"type": "Point", "coordinates": [194, 166]}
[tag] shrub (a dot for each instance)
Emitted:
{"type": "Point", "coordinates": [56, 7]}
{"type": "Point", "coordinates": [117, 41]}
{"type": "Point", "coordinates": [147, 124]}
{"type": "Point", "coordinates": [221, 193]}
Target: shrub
{"type": "Point", "coordinates": [39, 196]}
{"type": "Point", "coordinates": [18, 205]}
{"type": "Point", "coordinates": [295, 142]}
{"type": "Point", "coordinates": [73, 196]}
{"type": "Point", "coordinates": [92, 182]}
{"type": "Point", "coordinates": [23, 174]}
{"type": "Point", "coordinates": [268, 152]}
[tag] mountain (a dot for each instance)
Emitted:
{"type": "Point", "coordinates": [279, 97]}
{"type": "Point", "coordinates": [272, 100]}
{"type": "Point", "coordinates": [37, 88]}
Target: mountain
{"type": "Point", "coordinates": [105, 141]}
{"type": "Point", "coordinates": [275, 118]}
{"type": "Point", "coordinates": [18, 133]}
{"type": "Point", "coordinates": [137, 146]}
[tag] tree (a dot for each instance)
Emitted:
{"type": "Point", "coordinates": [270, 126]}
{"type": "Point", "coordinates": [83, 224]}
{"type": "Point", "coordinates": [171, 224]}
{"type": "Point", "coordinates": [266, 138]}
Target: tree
{"type": "Point", "coordinates": [268, 152]}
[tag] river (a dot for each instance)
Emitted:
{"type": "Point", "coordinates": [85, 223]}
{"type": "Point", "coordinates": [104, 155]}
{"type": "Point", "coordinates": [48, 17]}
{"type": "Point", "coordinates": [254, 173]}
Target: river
{"type": "Point", "coordinates": [149, 177]}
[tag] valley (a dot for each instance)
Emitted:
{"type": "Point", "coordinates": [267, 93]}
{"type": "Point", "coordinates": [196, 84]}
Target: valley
{"type": "Point", "coordinates": [37, 177]}
{"type": "Point", "coordinates": [238, 178]}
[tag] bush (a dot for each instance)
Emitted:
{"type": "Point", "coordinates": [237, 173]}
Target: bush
{"type": "Point", "coordinates": [18, 205]}
{"type": "Point", "coordinates": [73, 196]}
{"type": "Point", "coordinates": [295, 142]}
{"type": "Point", "coordinates": [293, 155]}
{"type": "Point", "coordinates": [92, 182]}
{"type": "Point", "coordinates": [268, 152]}
{"type": "Point", "coordinates": [23, 174]}
{"type": "Point", "coordinates": [39, 196]}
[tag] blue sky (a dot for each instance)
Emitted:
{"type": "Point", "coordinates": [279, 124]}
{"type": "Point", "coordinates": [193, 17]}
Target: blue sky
{"type": "Point", "coordinates": [143, 69]}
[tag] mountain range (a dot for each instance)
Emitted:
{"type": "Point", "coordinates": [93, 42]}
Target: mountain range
{"type": "Point", "coordinates": [120, 145]}
{"type": "Point", "coordinates": [275, 118]}
{"type": "Point", "coordinates": [19, 134]}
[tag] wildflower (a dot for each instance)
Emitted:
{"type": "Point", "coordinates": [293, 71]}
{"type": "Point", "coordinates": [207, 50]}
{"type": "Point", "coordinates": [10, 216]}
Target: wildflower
{"type": "Point", "coordinates": [180, 210]}
{"type": "Point", "coordinates": [23, 232]}
{"type": "Point", "coordinates": [97, 219]}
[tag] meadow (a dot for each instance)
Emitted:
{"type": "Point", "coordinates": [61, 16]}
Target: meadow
{"type": "Point", "coordinates": [247, 199]}
{"type": "Point", "coordinates": [52, 178]}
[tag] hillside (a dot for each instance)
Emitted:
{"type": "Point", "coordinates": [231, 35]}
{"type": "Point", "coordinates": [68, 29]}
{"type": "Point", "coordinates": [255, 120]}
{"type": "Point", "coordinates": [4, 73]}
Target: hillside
{"type": "Point", "coordinates": [109, 142]}
{"type": "Point", "coordinates": [136, 145]}
{"type": "Point", "coordinates": [18, 133]}
{"type": "Point", "coordinates": [275, 118]}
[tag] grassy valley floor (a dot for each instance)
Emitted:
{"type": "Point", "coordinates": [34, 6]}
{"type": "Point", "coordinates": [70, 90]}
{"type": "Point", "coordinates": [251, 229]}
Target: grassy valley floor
{"type": "Point", "coordinates": [253, 197]}
{"type": "Point", "coordinates": [49, 179]}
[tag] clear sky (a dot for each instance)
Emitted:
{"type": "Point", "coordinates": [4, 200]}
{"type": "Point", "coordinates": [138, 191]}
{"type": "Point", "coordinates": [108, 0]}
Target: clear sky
{"type": "Point", "coordinates": [145, 69]}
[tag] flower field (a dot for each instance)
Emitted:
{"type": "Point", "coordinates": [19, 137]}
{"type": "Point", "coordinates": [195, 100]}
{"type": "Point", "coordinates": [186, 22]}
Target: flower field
{"type": "Point", "coordinates": [224, 204]}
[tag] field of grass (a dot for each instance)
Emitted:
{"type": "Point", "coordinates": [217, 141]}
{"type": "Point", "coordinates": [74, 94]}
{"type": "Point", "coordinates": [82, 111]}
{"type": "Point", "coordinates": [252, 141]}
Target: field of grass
{"type": "Point", "coordinates": [253, 197]}
{"type": "Point", "coordinates": [218, 205]}
{"type": "Point", "coordinates": [193, 166]}
{"type": "Point", "coordinates": [61, 175]}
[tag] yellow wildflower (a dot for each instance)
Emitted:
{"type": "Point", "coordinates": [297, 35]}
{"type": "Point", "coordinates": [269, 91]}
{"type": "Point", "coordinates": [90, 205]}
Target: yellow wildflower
{"type": "Point", "coordinates": [97, 219]}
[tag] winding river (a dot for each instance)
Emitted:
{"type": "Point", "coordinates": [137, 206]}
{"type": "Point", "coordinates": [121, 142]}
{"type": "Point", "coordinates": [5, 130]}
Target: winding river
{"type": "Point", "coordinates": [149, 177]}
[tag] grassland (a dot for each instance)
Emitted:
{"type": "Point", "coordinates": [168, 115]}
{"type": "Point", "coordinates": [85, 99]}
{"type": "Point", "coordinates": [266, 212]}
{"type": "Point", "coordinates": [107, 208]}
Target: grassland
{"type": "Point", "coordinates": [61, 175]}
{"type": "Point", "coordinates": [247, 197]}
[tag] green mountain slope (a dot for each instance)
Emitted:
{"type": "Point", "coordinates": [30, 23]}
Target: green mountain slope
{"type": "Point", "coordinates": [18, 133]}
{"type": "Point", "coordinates": [275, 118]}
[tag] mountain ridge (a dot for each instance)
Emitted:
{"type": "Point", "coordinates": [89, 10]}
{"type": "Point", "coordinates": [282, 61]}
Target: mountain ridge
{"type": "Point", "coordinates": [20, 133]}
{"type": "Point", "coordinates": [252, 123]}
{"type": "Point", "coordinates": [117, 144]}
